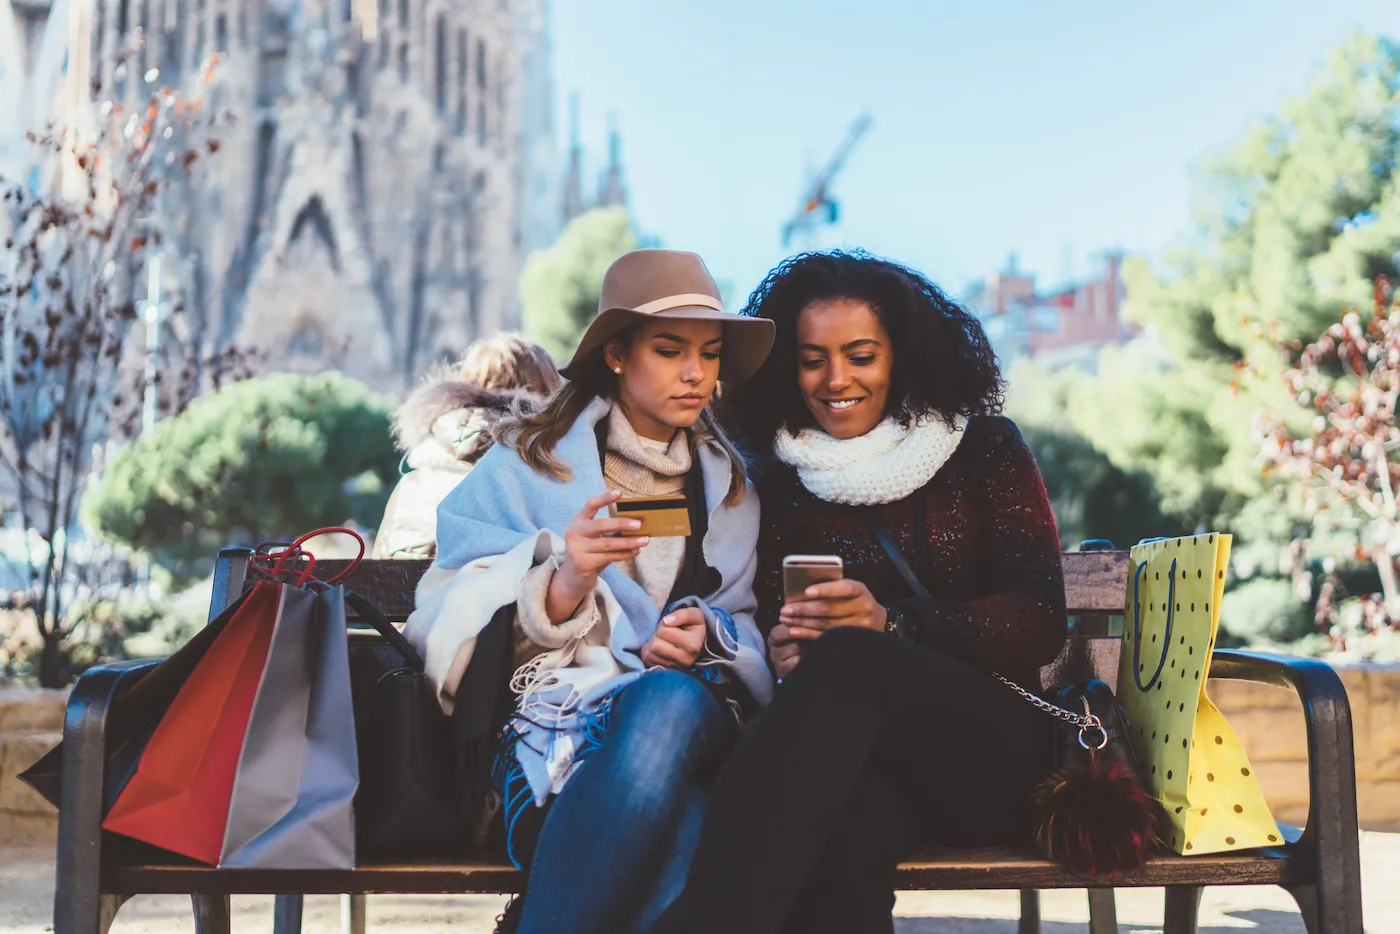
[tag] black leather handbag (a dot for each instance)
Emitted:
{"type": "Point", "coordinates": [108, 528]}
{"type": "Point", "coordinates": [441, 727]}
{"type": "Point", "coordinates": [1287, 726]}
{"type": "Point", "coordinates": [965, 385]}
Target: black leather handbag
{"type": "Point", "coordinates": [406, 806]}
{"type": "Point", "coordinates": [425, 778]}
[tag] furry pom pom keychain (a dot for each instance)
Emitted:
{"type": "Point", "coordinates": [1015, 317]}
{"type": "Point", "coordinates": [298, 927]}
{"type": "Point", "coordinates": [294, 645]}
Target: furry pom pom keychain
{"type": "Point", "coordinates": [1096, 818]}
{"type": "Point", "coordinates": [1094, 815]}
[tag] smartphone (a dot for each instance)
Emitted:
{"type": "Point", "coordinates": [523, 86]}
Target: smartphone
{"type": "Point", "coordinates": [660, 516]}
{"type": "Point", "coordinates": [802, 571]}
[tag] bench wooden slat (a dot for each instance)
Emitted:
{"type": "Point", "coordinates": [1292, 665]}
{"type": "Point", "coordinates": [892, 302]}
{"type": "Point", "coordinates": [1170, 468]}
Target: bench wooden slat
{"type": "Point", "coordinates": [989, 867]}
{"type": "Point", "coordinates": [428, 878]}
{"type": "Point", "coordinates": [1083, 658]}
{"type": "Point", "coordinates": [1022, 868]}
{"type": "Point", "coordinates": [1094, 581]}
{"type": "Point", "coordinates": [387, 583]}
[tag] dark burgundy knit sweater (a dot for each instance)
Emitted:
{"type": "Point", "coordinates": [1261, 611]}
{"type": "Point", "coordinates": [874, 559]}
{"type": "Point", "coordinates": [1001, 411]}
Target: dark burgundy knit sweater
{"type": "Point", "coordinates": [991, 563]}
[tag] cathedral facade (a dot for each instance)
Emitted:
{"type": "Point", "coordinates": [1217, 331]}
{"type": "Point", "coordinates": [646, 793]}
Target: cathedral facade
{"type": "Point", "coordinates": [390, 163]}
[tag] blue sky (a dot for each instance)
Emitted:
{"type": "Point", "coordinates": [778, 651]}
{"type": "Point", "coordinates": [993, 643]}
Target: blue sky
{"type": "Point", "coordinates": [1055, 130]}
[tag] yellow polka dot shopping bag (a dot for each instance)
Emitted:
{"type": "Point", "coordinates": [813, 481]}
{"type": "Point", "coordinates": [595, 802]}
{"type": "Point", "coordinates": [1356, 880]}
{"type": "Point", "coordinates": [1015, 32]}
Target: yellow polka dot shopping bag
{"type": "Point", "coordinates": [1190, 758]}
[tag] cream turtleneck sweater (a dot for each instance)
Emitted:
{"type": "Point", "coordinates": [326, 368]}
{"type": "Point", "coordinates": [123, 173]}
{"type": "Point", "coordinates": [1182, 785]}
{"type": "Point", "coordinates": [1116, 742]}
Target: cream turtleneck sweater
{"type": "Point", "coordinates": [641, 467]}
{"type": "Point", "coordinates": [636, 466]}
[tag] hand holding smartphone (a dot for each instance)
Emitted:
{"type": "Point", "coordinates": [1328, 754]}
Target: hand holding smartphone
{"type": "Point", "coordinates": [799, 573]}
{"type": "Point", "coordinates": [802, 571]}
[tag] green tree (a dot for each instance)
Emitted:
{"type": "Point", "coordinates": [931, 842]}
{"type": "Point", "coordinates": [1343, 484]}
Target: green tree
{"type": "Point", "coordinates": [1264, 611]}
{"type": "Point", "coordinates": [1294, 222]}
{"type": "Point", "coordinates": [1092, 498]}
{"type": "Point", "coordinates": [559, 285]}
{"type": "Point", "coordinates": [264, 459]}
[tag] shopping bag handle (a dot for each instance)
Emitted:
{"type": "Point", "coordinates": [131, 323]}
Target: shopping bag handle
{"type": "Point", "coordinates": [1137, 628]}
{"type": "Point", "coordinates": [371, 614]}
{"type": "Point", "coordinates": [295, 549]}
{"type": "Point", "coordinates": [335, 530]}
{"type": "Point", "coordinates": [279, 560]}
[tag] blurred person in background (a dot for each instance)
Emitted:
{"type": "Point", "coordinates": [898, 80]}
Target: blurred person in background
{"type": "Point", "coordinates": [444, 427]}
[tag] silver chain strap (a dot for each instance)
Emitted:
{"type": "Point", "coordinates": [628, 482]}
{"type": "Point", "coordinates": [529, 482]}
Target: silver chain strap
{"type": "Point", "coordinates": [1087, 721]}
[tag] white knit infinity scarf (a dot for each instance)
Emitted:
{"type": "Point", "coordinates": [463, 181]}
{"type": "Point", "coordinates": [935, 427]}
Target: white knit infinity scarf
{"type": "Point", "coordinates": [885, 464]}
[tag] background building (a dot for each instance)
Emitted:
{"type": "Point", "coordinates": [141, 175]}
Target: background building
{"type": "Point", "coordinates": [610, 191]}
{"type": "Point", "coordinates": [390, 164]}
{"type": "Point", "coordinates": [1062, 327]}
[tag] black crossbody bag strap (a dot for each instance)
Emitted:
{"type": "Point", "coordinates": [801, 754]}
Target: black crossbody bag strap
{"type": "Point", "coordinates": [901, 564]}
{"type": "Point", "coordinates": [896, 556]}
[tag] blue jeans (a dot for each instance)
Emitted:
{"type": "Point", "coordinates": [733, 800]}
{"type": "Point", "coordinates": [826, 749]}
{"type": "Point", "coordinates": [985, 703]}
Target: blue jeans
{"type": "Point", "coordinates": [616, 843]}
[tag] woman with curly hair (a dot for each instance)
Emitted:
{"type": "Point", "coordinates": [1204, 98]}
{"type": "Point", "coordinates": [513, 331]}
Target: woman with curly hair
{"type": "Point", "coordinates": [879, 407]}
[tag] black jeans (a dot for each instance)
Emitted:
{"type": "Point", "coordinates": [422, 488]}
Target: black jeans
{"type": "Point", "coordinates": [871, 747]}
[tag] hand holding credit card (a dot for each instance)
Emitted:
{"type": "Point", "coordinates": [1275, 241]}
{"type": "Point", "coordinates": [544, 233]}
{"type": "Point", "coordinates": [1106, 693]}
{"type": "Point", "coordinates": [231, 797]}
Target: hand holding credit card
{"type": "Point", "coordinates": [660, 516]}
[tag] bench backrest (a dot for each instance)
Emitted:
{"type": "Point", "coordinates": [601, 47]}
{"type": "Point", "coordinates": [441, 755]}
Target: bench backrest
{"type": "Point", "coordinates": [1095, 582]}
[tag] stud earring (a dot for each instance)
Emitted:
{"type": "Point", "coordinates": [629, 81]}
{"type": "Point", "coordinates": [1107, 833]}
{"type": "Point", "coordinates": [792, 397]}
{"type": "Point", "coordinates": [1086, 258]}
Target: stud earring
{"type": "Point", "coordinates": [617, 370]}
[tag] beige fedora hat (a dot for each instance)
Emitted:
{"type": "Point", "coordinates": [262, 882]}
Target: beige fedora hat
{"type": "Point", "coordinates": [646, 284]}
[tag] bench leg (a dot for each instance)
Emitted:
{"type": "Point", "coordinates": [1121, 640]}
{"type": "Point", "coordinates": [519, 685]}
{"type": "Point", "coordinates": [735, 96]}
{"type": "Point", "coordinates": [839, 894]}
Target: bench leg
{"type": "Point", "coordinates": [212, 914]}
{"type": "Point", "coordinates": [1305, 896]}
{"type": "Point", "coordinates": [1337, 911]}
{"type": "Point", "coordinates": [107, 908]}
{"type": "Point", "coordinates": [1103, 912]}
{"type": "Point", "coordinates": [1030, 912]}
{"type": "Point", "coordinates": [1323, 916]}
{"type": "Point", "coordinates": [1183, 909]}
{"type": "Point", "coordinates": [352, 914]}
{"type": "Point", "coordinates": [286, 914]}
{"type": "Point", "coordinates": [79, 906]}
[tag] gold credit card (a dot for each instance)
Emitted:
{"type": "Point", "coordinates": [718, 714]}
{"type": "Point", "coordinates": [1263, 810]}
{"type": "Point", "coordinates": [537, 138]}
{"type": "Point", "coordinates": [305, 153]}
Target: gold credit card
{"type": "Point", "coordinates": [660, 515]}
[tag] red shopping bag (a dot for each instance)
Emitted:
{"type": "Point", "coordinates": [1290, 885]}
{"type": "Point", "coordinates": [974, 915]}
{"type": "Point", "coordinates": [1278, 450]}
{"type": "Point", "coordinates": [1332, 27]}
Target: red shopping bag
{"type": "Point", "coordinates": [178, 798]}
{"type": "Point", "coordinates": [180, 794]}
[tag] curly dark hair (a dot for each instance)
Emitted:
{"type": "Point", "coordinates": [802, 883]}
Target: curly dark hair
{"type": "Point", "coordinates": [943, 363]}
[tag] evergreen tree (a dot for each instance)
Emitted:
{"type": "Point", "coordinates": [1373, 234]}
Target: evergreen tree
{"type": "Point", "coordinates": [559, 285]}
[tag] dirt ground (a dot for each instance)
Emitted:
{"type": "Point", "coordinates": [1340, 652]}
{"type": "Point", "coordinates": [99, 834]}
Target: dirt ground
{"type": "Point", "coordinates": [26, 906]}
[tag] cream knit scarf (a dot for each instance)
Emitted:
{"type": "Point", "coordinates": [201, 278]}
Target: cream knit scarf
{"type": "Point", "coordinates": [885, 464]}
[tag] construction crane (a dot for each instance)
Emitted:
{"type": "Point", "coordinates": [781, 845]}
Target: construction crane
{"type": "Point", "coordinates": [817, 206]}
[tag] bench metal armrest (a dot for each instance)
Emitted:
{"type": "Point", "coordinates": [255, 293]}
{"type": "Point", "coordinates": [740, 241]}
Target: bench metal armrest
{"type": "Point", "coordinates": [82, 789]}
{"type": "Point", "coordinates": [1332, 822]}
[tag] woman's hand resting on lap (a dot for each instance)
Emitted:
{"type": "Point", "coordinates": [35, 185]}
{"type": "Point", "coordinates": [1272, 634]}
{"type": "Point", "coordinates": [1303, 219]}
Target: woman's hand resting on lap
{"type": "Point", "coordinates": [824, 606]}
{"type": "Point", "coordinates": [590, 545]}
{"type": "Point", "coordinates": [783, 650]}
{"type": "Point", "coordinates": [677, 641]}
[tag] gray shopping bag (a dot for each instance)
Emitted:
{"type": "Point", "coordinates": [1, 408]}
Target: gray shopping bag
{"type": "Point", "coordinates": [293, 795]}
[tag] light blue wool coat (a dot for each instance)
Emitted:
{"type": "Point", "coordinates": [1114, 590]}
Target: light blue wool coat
{"type": "Point", "coordinates": [503, 518]}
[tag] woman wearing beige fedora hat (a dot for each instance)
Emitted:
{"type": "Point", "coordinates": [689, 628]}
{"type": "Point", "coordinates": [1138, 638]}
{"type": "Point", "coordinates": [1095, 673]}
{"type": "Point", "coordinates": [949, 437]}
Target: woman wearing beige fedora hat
{"type": "Point", "coordinates": [633, 657]}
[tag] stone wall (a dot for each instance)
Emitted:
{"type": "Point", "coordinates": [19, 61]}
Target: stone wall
{"type": "Point", "coordinates": [31, 723]}
{"type": "Point", "coordinates": [1269, 722]}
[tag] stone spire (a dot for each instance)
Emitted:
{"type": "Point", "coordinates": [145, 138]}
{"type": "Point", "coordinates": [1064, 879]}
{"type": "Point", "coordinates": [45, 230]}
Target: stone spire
{"type": "Point", "coordinates": [573, 184]}
{"type": "Point", "coordinates": [610, 190]}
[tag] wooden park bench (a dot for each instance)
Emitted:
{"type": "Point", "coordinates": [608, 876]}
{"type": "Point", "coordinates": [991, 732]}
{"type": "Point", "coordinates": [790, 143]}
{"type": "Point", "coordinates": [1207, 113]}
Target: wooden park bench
{"type": "Point", "coordinates": [1319, 865]}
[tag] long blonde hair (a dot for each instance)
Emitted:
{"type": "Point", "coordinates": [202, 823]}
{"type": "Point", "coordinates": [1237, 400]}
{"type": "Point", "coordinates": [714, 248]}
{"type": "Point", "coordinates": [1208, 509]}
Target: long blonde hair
{"type": "Point", "coordinates": [534, 436]}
